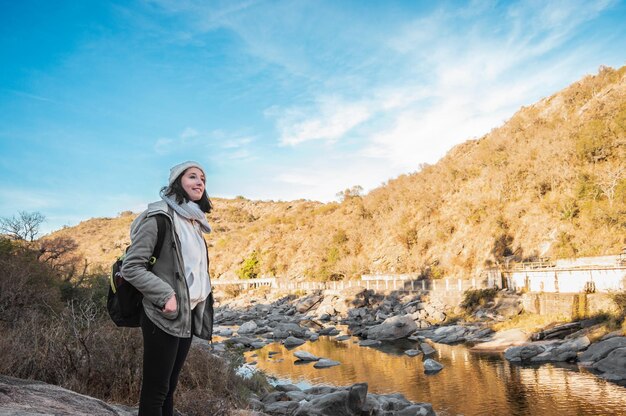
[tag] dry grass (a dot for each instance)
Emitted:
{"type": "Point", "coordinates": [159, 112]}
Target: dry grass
{"type": "Point", "coordinates": [529, 322]}
{"type": "Point", "coordinates": [75, 345]}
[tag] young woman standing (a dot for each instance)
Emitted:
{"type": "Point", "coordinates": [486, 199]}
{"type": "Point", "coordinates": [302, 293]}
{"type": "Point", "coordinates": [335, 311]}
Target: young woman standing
{"type": "Point", "coordinates": [177, 298]}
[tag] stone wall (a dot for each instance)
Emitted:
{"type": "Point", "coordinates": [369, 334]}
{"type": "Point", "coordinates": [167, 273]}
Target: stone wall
{"type": "Point", "coordinates": [570, 305]}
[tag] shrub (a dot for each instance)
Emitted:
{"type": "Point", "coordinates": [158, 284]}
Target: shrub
{"type": "Point", "coordinates": [474, 298]}
{"type": "Point", "coordinates": [250, 267]}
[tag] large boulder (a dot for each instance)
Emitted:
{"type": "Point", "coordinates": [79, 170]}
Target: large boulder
{"type": "Point", "coordinates": [547, 351]}
{"type": "Point", "coordinates": [392, 328]}
{"type": "Point", "coordinates": [304, 305]}
{"type": "Point", "coordinates": [613, 366]}
{"type": "Point", "coordinates": [27, 397]}
{"type": "Point", "coordinates": [348, 402]}
{"type": "Point", "coordinates": [600, 350]}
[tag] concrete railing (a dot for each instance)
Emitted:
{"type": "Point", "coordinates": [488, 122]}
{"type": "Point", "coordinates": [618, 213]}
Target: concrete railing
{"type": "Point", "coordinates": [370, 282]}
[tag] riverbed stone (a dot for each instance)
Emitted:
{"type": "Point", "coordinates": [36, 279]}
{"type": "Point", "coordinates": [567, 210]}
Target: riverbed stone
{"type": "Point", "coordinates": [522, 353]}
{"type": "Point", "coordinates": [392, 328]}
{"type": "Point", "coordinates": [291, 342]}
{"type": "Point", "coordinates": [412, 353]}
{"type": "Point", "coordinates": [286, 329]}
{"type": "Point", "coordinates": [426, 348]}
{"type": "Point", "coordinates": [305, 356]}
{"type": "Point", "coordinates": [600, 350]}
{"type": "Point", "coordinates": [418, 409]}
{"type": "Point", "coordinates": [449, 334]}
{"type": "Point", "coordinates": [613, 366]}
{"type": "Point", "coordinates": [281, 408]}
{"type": "Point", "coordinates": [342, 338]}
{"type": "Point", "coordinates": [304, 305]}
{"type": "Point", "coordinates": [247, 328]}
{"type": "Point", "coordinates": [325, 363]}
{"type": "Point", "coordinates": [369, 343]}
{"type": "Point", "coordinates": [431, 366]}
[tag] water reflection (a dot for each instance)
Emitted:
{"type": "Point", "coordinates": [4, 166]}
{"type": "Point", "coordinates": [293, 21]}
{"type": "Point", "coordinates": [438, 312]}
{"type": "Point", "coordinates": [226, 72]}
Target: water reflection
{"type": "Point", "coordinates": [470, 384]}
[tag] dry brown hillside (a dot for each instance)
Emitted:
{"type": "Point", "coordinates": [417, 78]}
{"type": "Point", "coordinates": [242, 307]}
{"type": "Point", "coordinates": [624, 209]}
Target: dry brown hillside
{"type": "Point", "coordinates": [550, 182]}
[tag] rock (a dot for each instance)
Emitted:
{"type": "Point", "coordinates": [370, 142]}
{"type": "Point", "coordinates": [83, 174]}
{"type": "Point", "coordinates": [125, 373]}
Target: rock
{"type": "Point", "coordinates": [431, 366]}
{"type": "Point", "coordinates": [307, 303]}
{"type": "Point", "coordinates": [436, 317]}
{"type": "Point", "coordinates": [342, 402]}
{"type": "Point", "coordinates": [247, 328]}
{"type": "Point", "coordinates": [325, 363]}
{"type": "Point", "coordinates": [27, 397]}
{"type": "Point", "coordinates": [245, 341]}
{"type": "Point", "coordinates": [343, 338]}
{"type": "Point", "coordinates": [285, 329]}
{"type": "Point", "coordinates": [369, 343]}
{"type": "Point", "coordinates": [324, 317]}
{"type": "Point", "coordinates": [562, 350]}
{"type": "Point", "coordinates": [449, 334]}
{"type": "Point", "coordinates": [224, 332]}
{"type": "Point", "coordinates": [392, 328]}
{"type": "Point", "coordinates": [503, 340]}
{"type": "Point", "coordinates": [258, 344]}
{"type": "Point", "coordinates": [291, 342]}
{"type": "Point", "coordinates": [412, 353]}
{"type": "Point", "coordinates": [426, 348]}
{"type": "Point", "coordinates": [547, 351]}
{"type": "Point", "coordinates": [281, 408]}
{"type": "Point", "coordinates": [523, 352]}
{"type": "Point", "coordinates": [275, 396]}
{"type": "Point", "coordinates": [314, 337]}
{"type": "Point", "coordinates": [287, 387]}
{"type": "Point", "coordinates": [613, 366]}
{"type": "Point", "coordinates": [305, 356]}
{"type": "Point", "coordinates": [329, 330]}
{"type": "Point", "coordinates": [600, 350]}
{"type": "Point", "coordinates": [418, 409]}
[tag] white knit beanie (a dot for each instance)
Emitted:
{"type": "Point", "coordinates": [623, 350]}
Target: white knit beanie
{"type": "Point", "coordinates": [178, 169]}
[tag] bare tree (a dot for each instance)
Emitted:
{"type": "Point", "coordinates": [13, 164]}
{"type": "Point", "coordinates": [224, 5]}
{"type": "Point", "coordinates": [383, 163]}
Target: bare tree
{"type": "Point", "coordinates": [24, 226]}
{"type": "Point", "coordinates": [610, 177]}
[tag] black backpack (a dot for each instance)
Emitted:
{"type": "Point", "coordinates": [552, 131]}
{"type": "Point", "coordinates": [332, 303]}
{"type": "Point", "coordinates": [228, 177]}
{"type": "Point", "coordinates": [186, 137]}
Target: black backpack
{"type": "Point", "coordinates": [124, 300]}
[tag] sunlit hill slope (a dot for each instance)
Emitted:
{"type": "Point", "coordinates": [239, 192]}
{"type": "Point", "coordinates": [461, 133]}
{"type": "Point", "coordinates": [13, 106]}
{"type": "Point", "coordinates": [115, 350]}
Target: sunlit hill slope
{"type": "Point", "coordinates": [550, 182]}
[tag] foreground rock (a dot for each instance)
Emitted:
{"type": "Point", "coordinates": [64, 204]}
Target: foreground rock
{"type": "Point", "coordinates": [26, 397]}
{"type": "Point", "coordinates": [340, 401]}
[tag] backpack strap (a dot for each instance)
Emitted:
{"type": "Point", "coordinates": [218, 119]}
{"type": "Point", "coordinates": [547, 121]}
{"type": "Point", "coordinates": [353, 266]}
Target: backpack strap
{"type": "Point", "coordinates": [161, 226]}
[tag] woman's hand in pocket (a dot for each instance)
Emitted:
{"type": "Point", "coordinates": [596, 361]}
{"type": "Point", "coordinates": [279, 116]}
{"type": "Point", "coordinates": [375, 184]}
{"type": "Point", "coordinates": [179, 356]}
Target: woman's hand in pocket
{"type": "Point", "coordinates": [170, 305]}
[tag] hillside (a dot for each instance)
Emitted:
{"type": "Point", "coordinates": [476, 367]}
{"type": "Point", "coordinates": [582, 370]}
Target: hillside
{"type": "Point", "coordinates": [550, 182]}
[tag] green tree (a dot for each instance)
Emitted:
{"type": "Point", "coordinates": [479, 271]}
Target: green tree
{"type": "Point", "coordinates": [250, 267]}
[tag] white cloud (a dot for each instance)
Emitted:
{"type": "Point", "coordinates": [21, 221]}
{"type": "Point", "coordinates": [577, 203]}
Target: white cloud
{"type": "Point", "coordinates": [333, 119]}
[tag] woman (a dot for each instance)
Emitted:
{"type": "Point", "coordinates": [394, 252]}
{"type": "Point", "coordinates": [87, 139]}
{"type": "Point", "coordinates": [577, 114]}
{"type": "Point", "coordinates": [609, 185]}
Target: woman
{"type": "Point", "coordinates": [177, 298]}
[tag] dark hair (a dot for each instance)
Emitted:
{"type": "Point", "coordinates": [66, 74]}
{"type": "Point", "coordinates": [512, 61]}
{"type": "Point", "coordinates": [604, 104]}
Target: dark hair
{"type": "Point", "coordinates": [176, 190]}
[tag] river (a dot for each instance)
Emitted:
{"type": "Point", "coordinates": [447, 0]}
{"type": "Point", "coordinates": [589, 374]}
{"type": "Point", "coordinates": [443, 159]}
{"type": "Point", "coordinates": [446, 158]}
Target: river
{"type": "Point", "coordinates": [470, 383]}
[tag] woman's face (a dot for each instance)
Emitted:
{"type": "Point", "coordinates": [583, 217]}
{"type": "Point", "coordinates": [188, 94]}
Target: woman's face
{"type": "Point", "coordinates": [193, 183]}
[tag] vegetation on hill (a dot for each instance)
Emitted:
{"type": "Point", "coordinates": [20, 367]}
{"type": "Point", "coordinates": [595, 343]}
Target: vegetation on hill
{"type": "Point", "coordinates": [549, 182]}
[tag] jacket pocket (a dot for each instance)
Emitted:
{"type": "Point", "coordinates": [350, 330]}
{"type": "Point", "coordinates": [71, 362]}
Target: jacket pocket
{"type": "Point", "coordinates": [170, 315]}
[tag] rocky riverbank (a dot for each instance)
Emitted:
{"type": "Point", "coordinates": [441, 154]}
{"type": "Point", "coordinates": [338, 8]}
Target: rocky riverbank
{"type": "Point", "coordinates": [378, 318]}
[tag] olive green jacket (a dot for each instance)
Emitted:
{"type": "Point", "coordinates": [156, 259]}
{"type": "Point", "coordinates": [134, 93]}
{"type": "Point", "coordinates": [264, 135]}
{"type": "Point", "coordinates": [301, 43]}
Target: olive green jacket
{"type": "Point", "coordinates": [167, 277]}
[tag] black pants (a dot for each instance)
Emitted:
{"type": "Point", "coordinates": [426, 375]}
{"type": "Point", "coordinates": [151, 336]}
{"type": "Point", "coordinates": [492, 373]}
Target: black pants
{"type": "Point", "coordinates": [163, 358]}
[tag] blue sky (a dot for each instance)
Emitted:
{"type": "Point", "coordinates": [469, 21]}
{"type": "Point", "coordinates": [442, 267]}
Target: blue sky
{"type": "Point", "coordinates": [278, 100]}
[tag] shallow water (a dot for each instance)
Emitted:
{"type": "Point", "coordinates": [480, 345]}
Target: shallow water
{"type": "Point", "coordinates": [469, 384]}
